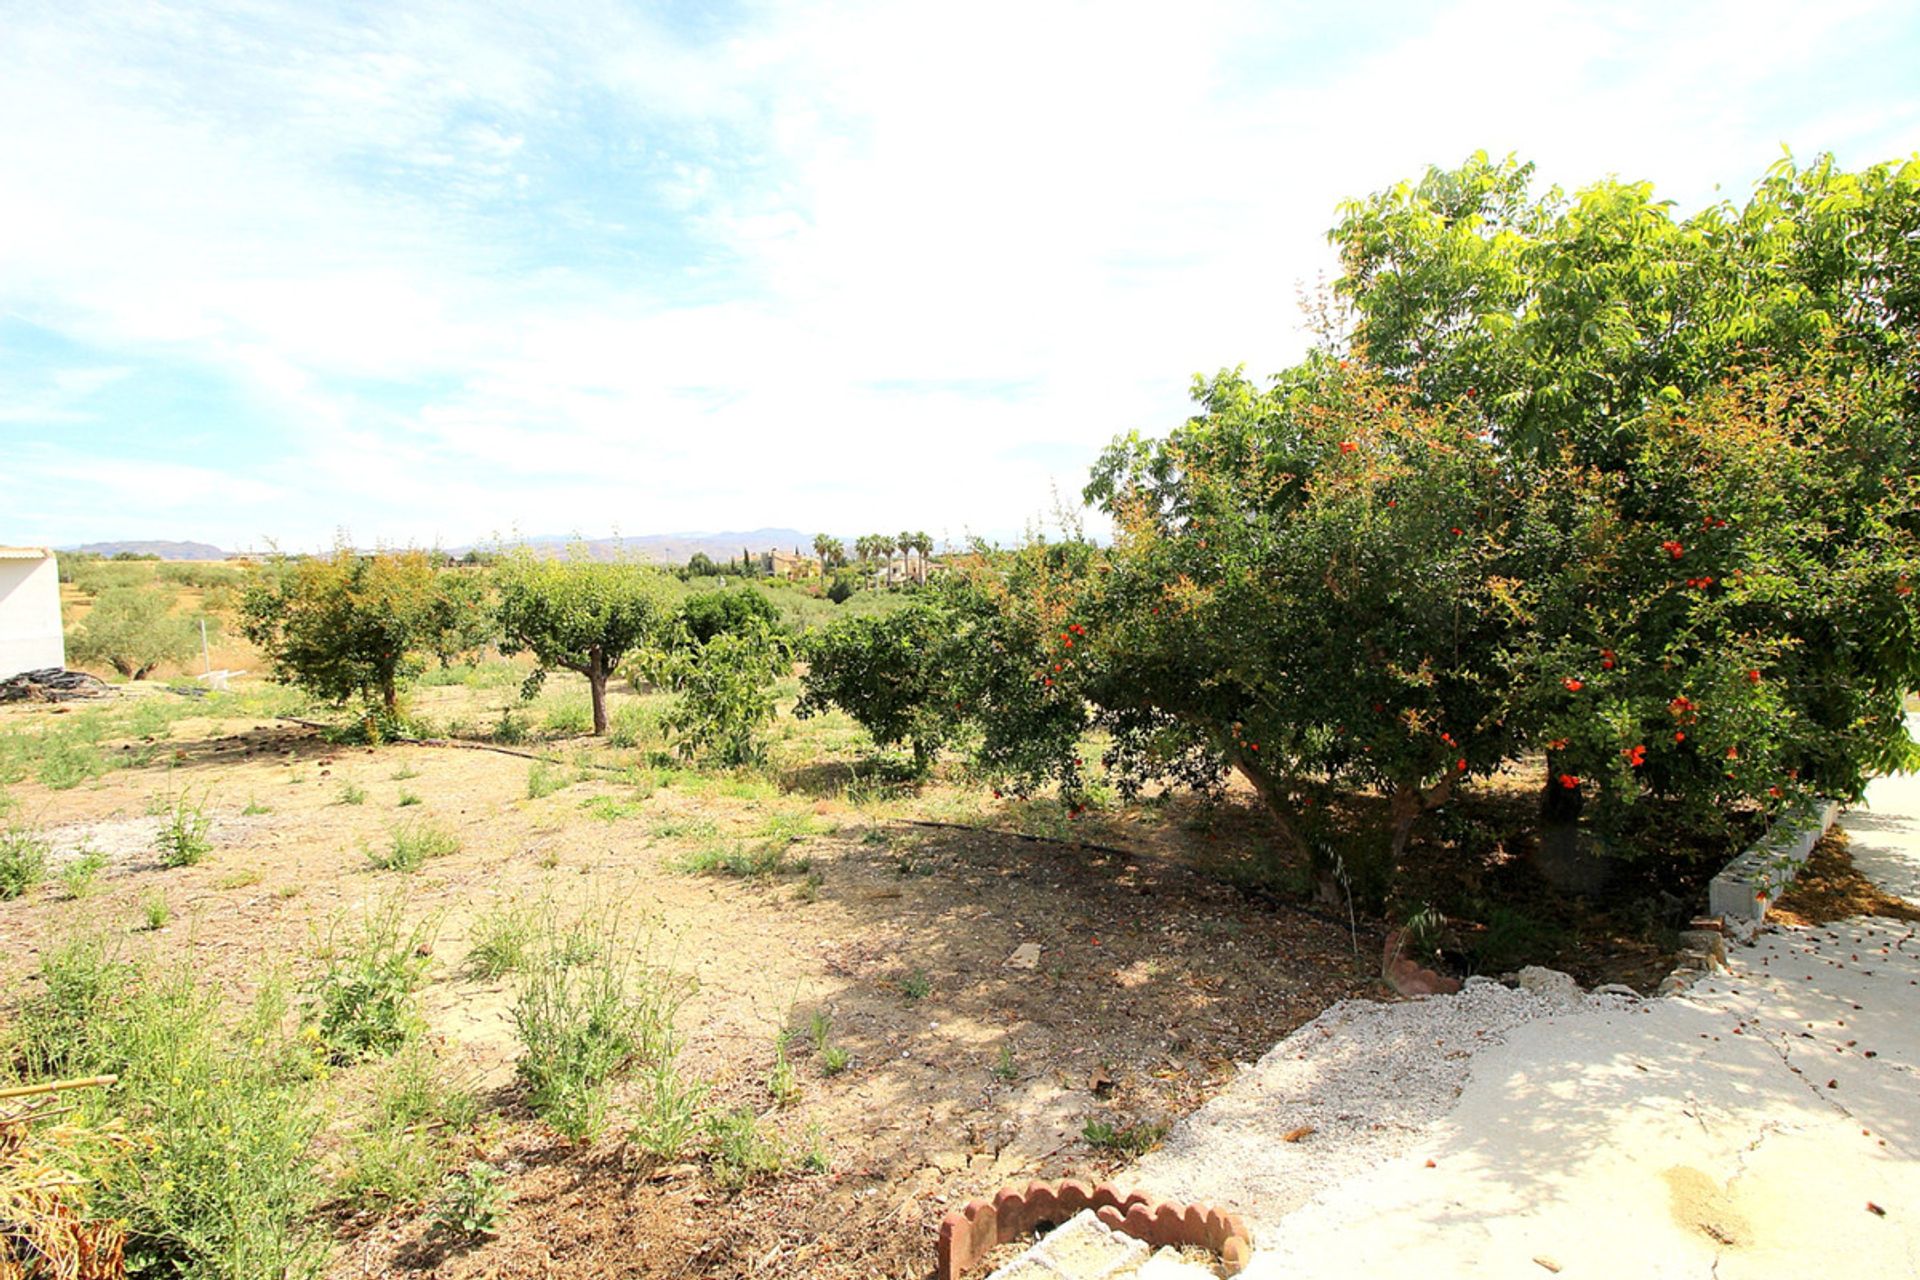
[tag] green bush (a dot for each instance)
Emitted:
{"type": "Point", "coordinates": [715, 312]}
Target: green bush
{"type": "Point", "coordinates": [891, 673]}
{"type": "Point", "coordinates": [726, 694]}
{"type": "Point", "coordinates": [708, 614]}
{"type": "Point", "coordinates": [471, 1204]}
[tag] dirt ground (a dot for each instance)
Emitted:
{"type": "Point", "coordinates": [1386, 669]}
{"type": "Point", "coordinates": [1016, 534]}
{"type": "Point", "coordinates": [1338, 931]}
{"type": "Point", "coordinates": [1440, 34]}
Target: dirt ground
{"type": "Point", "coordinates": [1151, 982]}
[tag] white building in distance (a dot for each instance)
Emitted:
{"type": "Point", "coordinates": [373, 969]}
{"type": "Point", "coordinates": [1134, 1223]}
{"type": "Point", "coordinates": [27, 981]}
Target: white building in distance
{"type": "Point", "coordinates": [30, 635]}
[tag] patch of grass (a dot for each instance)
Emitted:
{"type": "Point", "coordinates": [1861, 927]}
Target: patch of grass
{"type": "Point", "coordinates": [781, 1083]}
{"type": "Point", "coordinates": [734, 859]}
{"type": "Point", "coordinates": [833, 1060]}
{"type": "Point", "coordinates": [154, 911]}
{"type": "Point", "coordinates": [509, 730]}
{"type": "Point", "coordinates": [254, 808]}
{"type": "Point", "coordinates": [543, 779]}
{"type": "Point", "coordinates": [502, 939]}
{"type": "Point", "coordinates": [239, 878]}
{"type": "Point", "coordinates": [815, 1161]}
{"type": "Point", "coordinates": [633, 724]}
{"type": "Point", "coordinates": [361, 1001]}
{"type": "Point", "coordinates": [403, 773]}
{"type": "Point", "coordinates": [741, 1152]}
{"type": "Point", "coordinates": [353, 793]}
{"type": "Point", "coordinates": [407, 799]}
{"type": "Point", "coordinates": [79, 877]}
{"type": "Point", "coordinates": [66, 762]}
{"type": "Point", "coordinates": [403, 1149]}
{"type": "Point", "coordinates": [608, 809]}
{"type": "Point", "coordinates": [183, 836]}
{"type": "Point", "coordinates": [669, 1111]}
{"type": "Point", "coordinates": [582, 1024]}
{"type": "Point", "coordinates": [567, 717]}
{"type": "Point", "coordinates": [23, 860]}
{"type": "Point", "coordinates": [1128, 1140]}
{"type": "Point", "coordinates": [1003, 1067]}
{"type": "Point", "coordinates": [916, 986]}
{"type": "Point", "coordinates": [411, 845]}
{"type": "Point", "coordinates": [679, 827]}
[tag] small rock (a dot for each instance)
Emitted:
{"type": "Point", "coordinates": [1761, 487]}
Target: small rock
{"type": "Point", "coordinates": [1549, 984]}
{"type": "Point", "coordinates": [1025, 956]}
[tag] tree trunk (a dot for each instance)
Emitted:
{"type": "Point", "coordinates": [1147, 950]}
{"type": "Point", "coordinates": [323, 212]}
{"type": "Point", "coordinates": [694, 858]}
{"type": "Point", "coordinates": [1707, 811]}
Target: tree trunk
{"type": "Point", "coordinates": [390, 696]}
{"type": "Point", "coordinates": [597, 682]}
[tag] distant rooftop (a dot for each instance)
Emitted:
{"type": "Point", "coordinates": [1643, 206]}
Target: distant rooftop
{"type": "Point", "coordinates": [24, 553]}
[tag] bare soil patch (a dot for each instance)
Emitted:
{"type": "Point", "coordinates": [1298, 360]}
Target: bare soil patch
{"type": "Point", "coordinates": [1829, 888]}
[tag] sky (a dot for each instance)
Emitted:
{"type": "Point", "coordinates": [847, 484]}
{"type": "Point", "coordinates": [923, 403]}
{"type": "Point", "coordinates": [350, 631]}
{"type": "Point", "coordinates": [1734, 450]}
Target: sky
{"type": "Point", "coordinates": [418, 274]}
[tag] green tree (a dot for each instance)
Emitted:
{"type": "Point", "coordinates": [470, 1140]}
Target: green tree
{"type": "Point", "coordinates": [133, 630]}
{"type": "Point", "coordinates": [726, 692]}
{"type": "Point", "coordinates": [707, 614]}
{"type": "Point", "coordinates": [585, 616]}
{"type": "Point", "coordinates": [350, 625]}
{"type": "Point", "coordinates": [830, 551]}
{"type": "Point", "coordinates": [890, 673]}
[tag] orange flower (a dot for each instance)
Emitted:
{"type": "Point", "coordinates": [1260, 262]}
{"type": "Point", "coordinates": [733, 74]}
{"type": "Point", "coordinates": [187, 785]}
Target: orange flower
{"type": "Point", "coordinates": [1460, 765]}
{"type": "Point", "coordinates": [1573, 685]}
{"type": "Point", "coordinates": [1680, 735]}
{"type": "Point", "coordinates": [1348, 446]}
{"type": "Point", "coordinates": [1673, 548]}
{"type": "Point", "coordinates": [1569, 780]}
{"type": "Point", "coordinates": [1753, 677]}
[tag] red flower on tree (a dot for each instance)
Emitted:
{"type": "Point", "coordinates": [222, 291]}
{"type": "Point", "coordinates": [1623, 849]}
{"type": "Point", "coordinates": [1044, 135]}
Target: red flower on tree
{"type": "Point", "coordinates": [1573, 685]}
{"type": "Point", "coordinates": [1673, 548]}
{"type": "Point", "coordinates": [1569, 780]}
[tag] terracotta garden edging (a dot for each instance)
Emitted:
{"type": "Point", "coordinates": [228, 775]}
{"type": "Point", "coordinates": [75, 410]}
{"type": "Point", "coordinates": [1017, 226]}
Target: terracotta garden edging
{"type": "Point", "coordinates": [969, 1233]}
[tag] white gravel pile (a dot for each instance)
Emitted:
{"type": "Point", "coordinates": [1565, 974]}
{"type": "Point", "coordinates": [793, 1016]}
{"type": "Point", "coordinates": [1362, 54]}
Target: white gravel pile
{"type": "Point", "coordinates": [133, 842]}
{"type": "Point", "coordinates": [1364, 1080]}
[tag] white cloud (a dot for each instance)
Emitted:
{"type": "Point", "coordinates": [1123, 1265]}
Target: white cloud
{"type": "Point", "coordinates": [480, 268]}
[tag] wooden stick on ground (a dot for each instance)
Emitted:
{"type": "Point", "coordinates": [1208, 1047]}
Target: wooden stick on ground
{"type": "Point", "coordinates": [56, 1086]}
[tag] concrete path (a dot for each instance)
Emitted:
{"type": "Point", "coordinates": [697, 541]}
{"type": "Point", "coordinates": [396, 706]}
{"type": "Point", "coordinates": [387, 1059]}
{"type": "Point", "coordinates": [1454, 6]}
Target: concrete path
{"type": "Point", "coordinates": [1766, 1123]}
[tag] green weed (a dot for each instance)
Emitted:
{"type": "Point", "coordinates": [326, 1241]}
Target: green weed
{"type": "Point", "coordinates": [353, 793]}
{"type": "Point", "coordinates": [916, 986]}
{"type": "Point", "coordinates": [1129, 1140]}
{"type": "Point", "coordinates": [23, 860]}
{"type": "Point", "coordinates": [411, 845]}
{"type": "Point", "coordinates": [471, 1204]}
{"type": "Point", "coordinates": [741, 1153]}
{"type": "Point", "coordinates": [501, 941]}
{"type": "Point", "coordinates": [361, 1001]}
{"type": "Point", "coordinates": [543, 779]}
{"type": "Point", "coordinates": [183, 836]}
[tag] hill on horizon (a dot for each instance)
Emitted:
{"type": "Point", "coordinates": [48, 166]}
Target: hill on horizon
{"type": "Point", "coordinates": [165, 550]}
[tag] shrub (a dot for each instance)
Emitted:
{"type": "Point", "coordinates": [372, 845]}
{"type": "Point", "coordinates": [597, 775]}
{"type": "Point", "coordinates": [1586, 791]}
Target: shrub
{"type": "Point", "coordinates": [154, 910]}
{"type": "Point", "coordinates": [890, 673]}
{"type": "Point", "coordinates": [726, 693]}
{"type": "Point", "coordinates": [711, 613]}
{"type": "Point", "coordinates": [216, 1178]}
{"type": "Point", "coordinates": [361, 1000]}
{"type": "Point", "coordinates": [133, 630]}
{"type": "Point", "coordinates": [23, 860]}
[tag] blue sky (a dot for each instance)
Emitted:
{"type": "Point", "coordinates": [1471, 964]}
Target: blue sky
{"type": "Point", "coordinates": [420, 273]}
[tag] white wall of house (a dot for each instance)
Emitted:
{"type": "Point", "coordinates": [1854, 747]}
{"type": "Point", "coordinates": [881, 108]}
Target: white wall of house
{"type": "Point", "coordinates": [30, 635]}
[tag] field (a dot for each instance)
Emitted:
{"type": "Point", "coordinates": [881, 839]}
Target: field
{"type": "Point", "coordinates": [839, 946]}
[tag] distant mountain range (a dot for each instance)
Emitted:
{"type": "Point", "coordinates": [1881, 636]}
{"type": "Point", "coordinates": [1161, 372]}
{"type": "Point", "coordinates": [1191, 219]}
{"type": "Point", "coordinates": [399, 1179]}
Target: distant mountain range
{"type": "Point", "coordinates": [165, 550]}
{"type": "Point", "coordinates": [660, 548]}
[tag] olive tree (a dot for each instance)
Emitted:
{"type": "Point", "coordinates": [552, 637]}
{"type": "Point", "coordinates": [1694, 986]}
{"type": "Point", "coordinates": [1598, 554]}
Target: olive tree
{"type": "Point", "coordinates": [580, 615]}
{"type": "Point", "coordinates": [133, 630]}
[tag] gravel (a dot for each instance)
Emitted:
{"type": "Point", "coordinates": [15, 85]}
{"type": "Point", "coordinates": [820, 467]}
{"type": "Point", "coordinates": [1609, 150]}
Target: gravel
{"type": "Point", "coordinates": [1364, 1080]}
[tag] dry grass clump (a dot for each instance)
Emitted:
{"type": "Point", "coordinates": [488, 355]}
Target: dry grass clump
{"type": "Point", "coordinates": [46, 1232]}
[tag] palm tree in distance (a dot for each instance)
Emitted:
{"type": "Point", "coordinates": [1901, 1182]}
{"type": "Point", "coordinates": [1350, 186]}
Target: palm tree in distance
{"type": "Point", "coordinates": [828, 549]}
{"type": "Point", "coordinates": [923, 547]}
